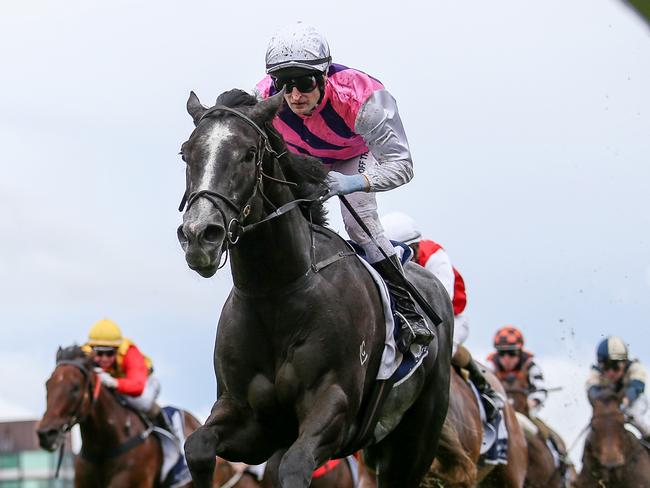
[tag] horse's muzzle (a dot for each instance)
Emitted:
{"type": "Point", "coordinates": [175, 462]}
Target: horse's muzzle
{"type": "Point", "coordinates": [49, 438]}
{"type": "Point", "coordinates": [613, 463]}
{"type": "Point", "coordinates": [203, 246]}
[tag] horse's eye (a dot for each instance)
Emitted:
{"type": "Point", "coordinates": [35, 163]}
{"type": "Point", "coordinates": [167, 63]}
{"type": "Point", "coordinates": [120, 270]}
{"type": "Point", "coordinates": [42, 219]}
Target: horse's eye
{"type": "Point", "coordinates": [250, 155]}
{"type": "Point", "coordinates": [75, 389]}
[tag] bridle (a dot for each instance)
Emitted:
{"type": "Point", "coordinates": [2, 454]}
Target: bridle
{"type": "Point", "coordinates": [77, 415]}
{"type": "Point", "coordinates": [235, 228]}
{"type": "Point", "coordinates": [93, 393]}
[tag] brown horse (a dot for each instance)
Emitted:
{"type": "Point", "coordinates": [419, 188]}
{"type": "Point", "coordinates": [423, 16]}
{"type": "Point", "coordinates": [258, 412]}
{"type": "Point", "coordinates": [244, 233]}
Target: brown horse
{"type": "Point", "coordinates": [542, 470]}
{"type": "Point", "coordinates": [613, 457]}
{"type": "Point", "coordinates": [458, 461]}
{"type": "Point", "coordinates": [336, 474]}
{"type": "Point", "coordinates": [118, 449]}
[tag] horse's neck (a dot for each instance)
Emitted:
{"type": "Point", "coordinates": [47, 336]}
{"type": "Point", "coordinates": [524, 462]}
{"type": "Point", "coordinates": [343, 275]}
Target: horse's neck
{"type": "Point", "coordinates": [521, 404]}
{"type": "Point", "coordinates": [106, 424]}
{"type": "Point", "coordinates": [277, 253]}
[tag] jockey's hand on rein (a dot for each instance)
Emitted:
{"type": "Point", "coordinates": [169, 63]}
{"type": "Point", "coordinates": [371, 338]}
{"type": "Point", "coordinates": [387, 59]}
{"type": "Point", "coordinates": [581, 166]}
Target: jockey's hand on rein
{"type": "Point", "coordinates": [107, 380]}
{"type": "Point", "coordinates": [340, 184]}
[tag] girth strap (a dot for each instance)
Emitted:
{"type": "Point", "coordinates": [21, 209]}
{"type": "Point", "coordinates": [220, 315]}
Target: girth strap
{"type": "Point", "coordinates": [119, 450]}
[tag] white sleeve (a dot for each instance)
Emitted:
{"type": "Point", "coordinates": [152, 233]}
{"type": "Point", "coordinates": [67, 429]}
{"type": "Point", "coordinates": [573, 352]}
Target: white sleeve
{"type": "Point", "coordinates": [440, 265]}
{"type": "Point", "coordinates": [379, 123]}
{"type": "Point", "coordinates": [537, 383]}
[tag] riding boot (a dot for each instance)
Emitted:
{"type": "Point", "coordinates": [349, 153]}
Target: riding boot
{"type": "Point", "coordinates": [159, 419]}
{"type": "Point", "coordinates": [492, 401]}
{"type": "Point", "coordinates": [414, 328]}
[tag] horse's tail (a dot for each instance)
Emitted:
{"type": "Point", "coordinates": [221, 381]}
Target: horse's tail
{"type": "Point", "coordinates": [452, 465]}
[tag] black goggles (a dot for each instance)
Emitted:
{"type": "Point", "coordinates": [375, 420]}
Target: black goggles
{"type": "Point", "coordinates": [304, 84]}
{"type": "Point", "coordinates": [613, 366]}
{"type": "Point", "coordinates": [104, 352]}
{"type": "Point", "coordinates": [508, 353]}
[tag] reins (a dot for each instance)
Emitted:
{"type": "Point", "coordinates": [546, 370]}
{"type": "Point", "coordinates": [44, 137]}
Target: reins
{"type": "Point", "coordinates": [234, 227]}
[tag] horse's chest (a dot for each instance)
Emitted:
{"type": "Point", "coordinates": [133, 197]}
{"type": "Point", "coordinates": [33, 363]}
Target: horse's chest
{"type": "Point", "coordinates": [266, 396]}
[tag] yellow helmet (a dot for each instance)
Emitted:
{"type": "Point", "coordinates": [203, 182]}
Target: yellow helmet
{"type": "Point", "coordinates": [105, 332]}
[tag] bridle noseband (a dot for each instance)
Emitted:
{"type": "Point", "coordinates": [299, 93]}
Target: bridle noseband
{"type": "Point", "coordinates": [234, 227]}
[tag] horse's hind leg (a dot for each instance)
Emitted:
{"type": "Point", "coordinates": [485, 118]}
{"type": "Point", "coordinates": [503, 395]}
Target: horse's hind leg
{"type": "Point", "coordinates": [405, 455]}
{"type": "Point", "coordinates": [228, 431]}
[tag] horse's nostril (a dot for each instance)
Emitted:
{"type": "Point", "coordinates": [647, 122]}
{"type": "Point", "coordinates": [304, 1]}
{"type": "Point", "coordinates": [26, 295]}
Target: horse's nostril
{"type": "Point", "coordinates": [213, 233]}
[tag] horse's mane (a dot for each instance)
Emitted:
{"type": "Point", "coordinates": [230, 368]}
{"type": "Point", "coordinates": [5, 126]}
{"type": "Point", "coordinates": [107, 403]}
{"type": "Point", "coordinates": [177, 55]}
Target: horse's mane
{"type": "Point", "coordinates": [70, 353]}
{"type": "Point", "coordinates": [607, 395]}
{"type": "Point", "coordinates": [307, 172]}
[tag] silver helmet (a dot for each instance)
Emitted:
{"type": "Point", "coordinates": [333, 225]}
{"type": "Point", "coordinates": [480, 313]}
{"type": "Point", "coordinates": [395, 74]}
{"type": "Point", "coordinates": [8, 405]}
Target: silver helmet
{"type": "Point", "coordinates": [298, 46]}
{"type": "Point", "coordinates": [400, 227]}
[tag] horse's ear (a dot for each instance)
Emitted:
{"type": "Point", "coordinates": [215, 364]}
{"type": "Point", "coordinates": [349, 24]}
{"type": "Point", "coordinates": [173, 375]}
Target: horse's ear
{"type": "Point", "coordinates": [194, 108]}
{"type": "Point", "coordinates": [265, 110]}
{"type": "Point", "coordinates": [58, 353]}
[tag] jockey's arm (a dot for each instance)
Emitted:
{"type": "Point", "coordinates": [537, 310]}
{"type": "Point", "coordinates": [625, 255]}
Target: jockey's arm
{"type": "Point", "coordinates": [135, 371]}
{"type": "Point", "coordinates": [636, 382]}
{"type": "Point", "coordinates": [537, 384]}
{"type": "Point", "coordinates": [440, 265]}
{"type": "Point", "coordinates": [379, 123]}
{"type": "Point", "coordinates": [594, 383]}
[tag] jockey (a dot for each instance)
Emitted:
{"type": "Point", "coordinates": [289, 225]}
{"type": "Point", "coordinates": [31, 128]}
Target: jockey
{"type": "Point", "coordinates": [627, 376]}
{"type": "Point", "coordinates": [123, 368]}
{"type": "Point", "coordinates": [511, 359]}
{"type": "Point", "coordinates": [431, 255]}
{"type": "Point", "coordinates": [349, 121]}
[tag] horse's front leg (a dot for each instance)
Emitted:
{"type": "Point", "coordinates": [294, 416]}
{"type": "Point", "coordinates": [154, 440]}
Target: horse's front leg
{"type": "Point", "coordinates": [322, 431]}
{"type": "Point", "coordinates": [230, 432]}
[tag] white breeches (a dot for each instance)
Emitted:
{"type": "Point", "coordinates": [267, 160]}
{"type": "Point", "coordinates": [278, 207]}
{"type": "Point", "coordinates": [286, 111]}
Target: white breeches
{"type": "Point", "coordinates": [144, 402]}
{"type": "Point", "coordinates": [461, 331]}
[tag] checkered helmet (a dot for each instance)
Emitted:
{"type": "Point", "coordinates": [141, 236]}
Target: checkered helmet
{"type": "Point", "coordinates": [508, 338]}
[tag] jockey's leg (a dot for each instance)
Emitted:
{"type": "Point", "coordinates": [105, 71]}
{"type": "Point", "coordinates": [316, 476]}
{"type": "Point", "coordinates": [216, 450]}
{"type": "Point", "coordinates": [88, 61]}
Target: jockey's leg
{"type": "Point", "coordinates": [461, 331]}
{"type": "Point", "coordinates": [556, 441]}
{"type": "Point", "coordinates": [414, 328]}
{"type": "Point", "coordinates": [492, 401]}
{"type": "Point", "coordinates": [146, 403]}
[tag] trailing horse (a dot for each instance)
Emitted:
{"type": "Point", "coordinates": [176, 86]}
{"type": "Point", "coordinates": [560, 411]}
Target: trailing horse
{"type": "Point", "coordinates": [543, 468]}
{"type": "Point", "coordinates": [119, 448]}
{"type": "Point", "coordinates": [301, 335]}
{"type": "Point", "coordinates": [613, 457]}
{"type": "Point", "coordinates": [459, 462]}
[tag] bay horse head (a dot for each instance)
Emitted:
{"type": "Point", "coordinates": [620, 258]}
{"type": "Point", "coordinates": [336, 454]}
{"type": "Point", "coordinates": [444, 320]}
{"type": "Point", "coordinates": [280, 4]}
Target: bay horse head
{"type": "Point", "coordinates": [224, 157]}
{"type": "Point", "coordinates": [517, 390]}
{"type": "Point", "coordinates": [608, 433]}
{"type": "Point", "coordinates": [71, 390]}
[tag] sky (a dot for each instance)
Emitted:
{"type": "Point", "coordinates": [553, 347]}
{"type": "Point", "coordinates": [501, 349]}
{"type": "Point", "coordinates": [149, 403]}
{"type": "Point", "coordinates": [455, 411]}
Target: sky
{"type": "Point", "coordinates": [529, 124]}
